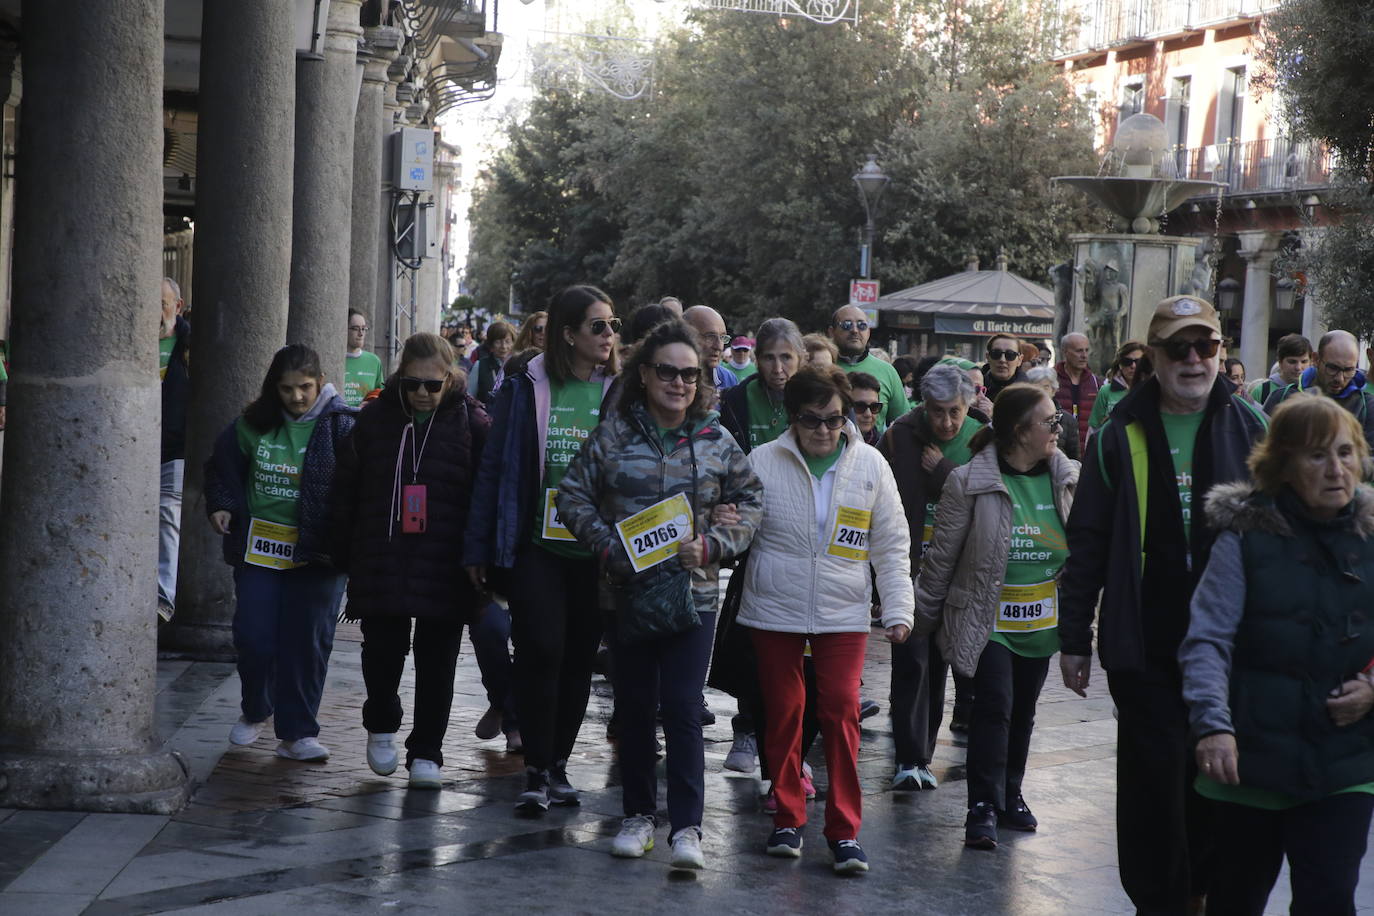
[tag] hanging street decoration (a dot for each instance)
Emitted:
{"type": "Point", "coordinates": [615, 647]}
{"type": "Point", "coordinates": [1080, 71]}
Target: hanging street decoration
{"type": "Point", "coordinates": [619, 67]}
{"type": "Point", "coordinates": [825, 12]}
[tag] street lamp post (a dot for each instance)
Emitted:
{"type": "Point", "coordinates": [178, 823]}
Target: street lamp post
{"type": "Point", "coordinates": [871, 182]}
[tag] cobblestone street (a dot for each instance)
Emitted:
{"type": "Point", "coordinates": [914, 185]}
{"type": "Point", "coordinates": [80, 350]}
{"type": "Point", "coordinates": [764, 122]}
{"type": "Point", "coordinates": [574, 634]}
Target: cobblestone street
{"type": "Point", "coordinates": [267, 835]}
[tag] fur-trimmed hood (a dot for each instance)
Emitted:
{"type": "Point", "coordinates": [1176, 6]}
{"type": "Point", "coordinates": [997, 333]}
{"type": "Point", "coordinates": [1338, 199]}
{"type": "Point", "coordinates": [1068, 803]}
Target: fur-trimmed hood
{"type": "Point", "coordinates": [1239, 507]}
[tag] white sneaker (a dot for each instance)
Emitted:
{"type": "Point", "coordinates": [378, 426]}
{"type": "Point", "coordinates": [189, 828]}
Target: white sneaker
{"type": "Point", "coordinates": [635, 838]}
{"type": "Point", "coordinates": [686, 844]}
{"type": "Point", "coordinates": [744, 754]}
{"type": "Point", "coordinates": [381, 752]}
{"type": "Point", "coordinates": [424, 774]}
{"type": "Point", "coordinates": [307, 749]}
{"type": "Point", "coordinates": [245, 733]}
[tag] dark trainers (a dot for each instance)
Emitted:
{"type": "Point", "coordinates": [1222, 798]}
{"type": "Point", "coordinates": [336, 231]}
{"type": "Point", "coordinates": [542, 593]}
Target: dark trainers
{"type": "Point", "coordinates": [849, 857]}
{"type": "Point", "coordinates": [868, 708]}
{"type": "Point", "coordinates": [980, 827]}
{"type": "Point", "coordinates": [1018, 817]}
{"type": "Point", "coordinates": [707, 717]}
{"type": "Point", "coordinates": [561, 791]}
{"type": "Point", "coordinates": [785, 842]}
{"type": "Point", "coordinates": [535, 799]}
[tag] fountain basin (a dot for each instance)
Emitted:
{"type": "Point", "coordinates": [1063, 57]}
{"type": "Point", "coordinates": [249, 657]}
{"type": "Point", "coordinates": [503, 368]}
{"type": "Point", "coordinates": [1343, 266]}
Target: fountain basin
{"type": "Point", "coordinates": [1138, 202]}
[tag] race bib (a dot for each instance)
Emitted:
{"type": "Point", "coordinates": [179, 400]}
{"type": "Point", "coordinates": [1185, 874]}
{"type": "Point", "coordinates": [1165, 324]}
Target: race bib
{"type": "Point", "coordinates": [271, 545]}
{"type": "Point", "coordinates": [554, 530]}
{"type": "Point", "coordinates": [1028, 608]}
{"type": "Point", "coordinates": [652, 536]}
{"type": "Point", "coordinates": [849, 537]}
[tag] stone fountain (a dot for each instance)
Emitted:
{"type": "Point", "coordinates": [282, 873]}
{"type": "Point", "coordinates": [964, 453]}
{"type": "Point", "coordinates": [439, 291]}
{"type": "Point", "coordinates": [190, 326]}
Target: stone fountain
{"type": "Point", "coordinates": [1115, 280]}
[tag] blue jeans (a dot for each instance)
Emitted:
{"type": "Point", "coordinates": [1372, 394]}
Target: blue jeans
{"type": "Point", "coordinates": [668, 673]}
{"type": "Point", "coordinates": [284, 631]}
{"type": "Point", "coordinates": [490, 636]}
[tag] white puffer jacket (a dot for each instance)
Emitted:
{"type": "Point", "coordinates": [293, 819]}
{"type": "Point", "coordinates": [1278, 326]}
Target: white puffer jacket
{"type": "Point", "coordinates": [792, 584]}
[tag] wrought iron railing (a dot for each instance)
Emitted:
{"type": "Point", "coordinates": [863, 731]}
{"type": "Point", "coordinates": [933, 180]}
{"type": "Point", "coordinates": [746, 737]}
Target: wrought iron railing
{"type": "Point", "coordinates": [1259, 166]}
{"type": "Point", "coordinates": [1096, 25]}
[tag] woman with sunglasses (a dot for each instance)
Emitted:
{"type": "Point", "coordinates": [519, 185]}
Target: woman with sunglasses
{"type": "Point", "coordinates": [662, 442]}
{"type": "Point", "coordinates": [401, 496]}
{"type": "Point", "coordinates": [517, 544]}
{"type": "Point", "coordinates": [1047, 378]}
{"type": "Point", "coordinates": [831, 510]}
{"type": "Point", "coordinates": [1130, 368]}
{"type": "Point", "coordinates": [532, 333]}
{"type": "Point", "coordinates": [989, 591]}
{"type": "Point", "coordinates": [267, 489]}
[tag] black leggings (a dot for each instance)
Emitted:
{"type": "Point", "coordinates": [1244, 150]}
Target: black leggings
{"type": "Point", "coordinates": [386, 640]}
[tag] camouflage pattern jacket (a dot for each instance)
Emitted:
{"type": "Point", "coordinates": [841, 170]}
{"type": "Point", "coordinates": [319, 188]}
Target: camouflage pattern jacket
{"type": "Point", "coordinates": [624, 468]}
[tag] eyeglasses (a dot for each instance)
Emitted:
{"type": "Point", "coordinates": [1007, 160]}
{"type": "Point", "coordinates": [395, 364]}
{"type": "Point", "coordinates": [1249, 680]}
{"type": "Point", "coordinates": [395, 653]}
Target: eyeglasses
{"type": "Point", "coordinates": [1007, 355]}
{"type": "Point", "coordinates": [848, 325]}
{"type": "Point", "coordinates": [712, 338]}
{"type": "Point", "coordinates": [872, 407]}
{"type": "Point", "coordinates": [599, 325]}
{"type": "Point", "coordinates": [432, 385]}
{"type": "Point", "coordinates": [1333, 369]}
{"type": "Point", "coordinates": [360, 330]}
{"type": "Point", "coordinates": [1177, 350]}
{"type": "Point", "coordinates": [667, 373]}
{"type": "Point", "coordinates": [980, 389]}
{"type": "Point", "coordinates": [811, 421]}
{"type": "Point", "coordinates": [1053, 424]}
{"type": "Point", "coordinates": [1128, 361]}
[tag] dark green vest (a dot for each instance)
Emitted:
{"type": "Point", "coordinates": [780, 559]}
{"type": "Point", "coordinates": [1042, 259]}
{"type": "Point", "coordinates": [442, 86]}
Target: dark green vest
{"type": "Point", "coordinates": [1308, 626]}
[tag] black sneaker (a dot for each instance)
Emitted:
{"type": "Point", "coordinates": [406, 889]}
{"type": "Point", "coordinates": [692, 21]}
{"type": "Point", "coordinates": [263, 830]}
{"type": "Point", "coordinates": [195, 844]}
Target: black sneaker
{"type": "Point", "coordinates": [868, 708]}
{"type": "Point", "coordinates": [849, 857]}
{"type": "Point", "coordinates": [785, 842]}
{"type": "Point", "coordinates": [1018, 817]}
{"type": "Point", "coordinates": [561, 791]}
{"type": "Point", "coordinates": [707, 717]}
{"type": "Point", "coordinates": [535, 799]}
{"type": "Point", "coordinates": [958, 723]}
{"type": "Point", "coordinates": [980, 827]}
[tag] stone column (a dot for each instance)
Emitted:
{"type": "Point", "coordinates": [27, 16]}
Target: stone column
{"type": "Point", "coordinates": [1258, 248]}
{"type": "Point", "coordinates": [242, 271]}
{"type": "Point", "coordinates": [78, 537]}
{"type": "Point", "coordinates": [389, 289]}
{"type": "Point", "coordinates": [321, 234]}
{"type": "Point", "coordinates": [370, 132]}
{"type": "Point", "coordinates": [1313, 324]}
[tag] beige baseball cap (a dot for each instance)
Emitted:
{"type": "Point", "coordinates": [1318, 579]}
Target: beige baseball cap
{"type": "Point", "coordinates": [1178, 312]}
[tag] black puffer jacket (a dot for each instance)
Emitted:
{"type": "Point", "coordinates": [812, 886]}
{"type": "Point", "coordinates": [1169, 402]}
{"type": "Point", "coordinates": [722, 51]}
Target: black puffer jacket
{"type": "Point", "coordinates": [396, 574]}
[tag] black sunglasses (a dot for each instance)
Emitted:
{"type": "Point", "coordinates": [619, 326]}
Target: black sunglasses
{"type": "Point", "coordinates": [432, 385]}
{"type": "Point", "coordinates": [868, 407]}
{"type": "Point", "coordinates": [1129, 361]}
{"type": "Point", "coordinates": [1007, 355]}
{"type": "Point", "coordinates": [1177, 350]}
{"type": "Point", "coordinates": [667, 373]}
{"type": "Point", "coordinates": [811, 421]}
{"type": "Point", "coordinates": [848, 325]}
{"type": "Point", "coordinates": [599, 325]}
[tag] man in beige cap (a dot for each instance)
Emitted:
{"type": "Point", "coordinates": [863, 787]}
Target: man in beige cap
{"type": "Point", "coordinates": [1139, 539]}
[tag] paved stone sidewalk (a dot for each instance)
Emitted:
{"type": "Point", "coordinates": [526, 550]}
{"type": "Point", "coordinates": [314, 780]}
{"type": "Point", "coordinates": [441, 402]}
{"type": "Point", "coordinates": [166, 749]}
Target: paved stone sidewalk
{"type": "Point", "coordinates": [265, 835]}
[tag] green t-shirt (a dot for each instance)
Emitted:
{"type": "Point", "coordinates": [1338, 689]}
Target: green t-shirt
{"type": "Point", "coordinates": [1265, 799]}
{"type": "Point", "coordinates": [744, 373]}
{"type": "Point", "coordinates": [362, 375]}
{"type": "Point", "coordinates": [1107, 398]}
{"type": "Point", "coordinates": [1181, 431]}
{"type": "Point", "coordinates": [165, 345]}
{"type": "Point", "coordinates": [893, 394]}
{"type": "Point", "coordinates": [767, 420]}
{"type": "Point", "coordinates": [574, 411]}
{"type": "Point", "coordinates": [1039, 548]}
{"type": "Point", "coordinates": [818, 466]}
{"type": "Point", "coordinates": [956, 450]}
{"type": "Point", "coordinates": [275, 459]}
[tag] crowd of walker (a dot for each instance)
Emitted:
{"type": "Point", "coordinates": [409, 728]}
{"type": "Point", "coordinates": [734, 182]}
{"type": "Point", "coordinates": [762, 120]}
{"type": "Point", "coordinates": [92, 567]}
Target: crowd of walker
{"type": "Point", "coordinates": [598, 476]}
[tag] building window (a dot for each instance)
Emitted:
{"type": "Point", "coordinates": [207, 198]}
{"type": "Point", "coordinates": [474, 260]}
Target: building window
{"type": "Point", "coordinates": [1132, 98]}
{"type": "Point", "coordinates": [1176, 120]}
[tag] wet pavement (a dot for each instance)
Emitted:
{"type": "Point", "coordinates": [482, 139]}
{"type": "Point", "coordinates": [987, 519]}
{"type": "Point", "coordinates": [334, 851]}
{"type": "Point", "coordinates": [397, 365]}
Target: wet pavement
{"type": "Point", "coordinates": [267, 835]}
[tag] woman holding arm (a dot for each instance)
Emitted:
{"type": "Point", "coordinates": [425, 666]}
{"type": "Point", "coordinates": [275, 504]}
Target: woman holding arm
{"type": "Point", "coordinates": [988, 590]}
{"type": "Point", "coordinates": [1276, 666]}
{"type": "Point", "coordinates": [662, 443]}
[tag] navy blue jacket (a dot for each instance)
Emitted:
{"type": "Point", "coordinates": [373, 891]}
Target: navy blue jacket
{"type": "Point", "coordinates": [226, 485]}
{"type": "Point", "coordinates": [176, 395]}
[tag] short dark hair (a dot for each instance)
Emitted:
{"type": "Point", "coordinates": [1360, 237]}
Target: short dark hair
{"type": "Point", "coordinates": [498, 330]}
{"type": "Point", "coordinates": [865, 381]}
{"type": "Point", "coordinates": [264, 414]}
{"type": "Point", "coordinates": [817, 385]}
{"type": "Point", "coordinates": [354, 313]}
{"type": "Point", "coordinates": [1293, 345]}
{"type": "Point", "coordinates": [661, 335]}
{"type": "Point", "coordinates": [644, 320]}
{"type": "Point", "coordinates": [567, 310]}
{"type": "Point", "coordinates": [1016, 341]}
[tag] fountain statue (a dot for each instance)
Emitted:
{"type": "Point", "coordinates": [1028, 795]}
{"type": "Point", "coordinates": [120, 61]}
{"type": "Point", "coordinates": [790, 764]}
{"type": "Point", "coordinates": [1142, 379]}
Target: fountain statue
{"type": "Point", "coordinates": [1122, 275]}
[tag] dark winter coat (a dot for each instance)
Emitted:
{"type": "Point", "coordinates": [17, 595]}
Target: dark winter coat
{"type": "Point", "coordinates": [1104, 527]}
{"type": "Point", "coordinates": [226, 484]}
{"type": "Point", "coordinates": [1088, 386]}
{"type": "Point", "coordinates": [176, 394]}
{"type": "Point", "coordinates": [392, 573]}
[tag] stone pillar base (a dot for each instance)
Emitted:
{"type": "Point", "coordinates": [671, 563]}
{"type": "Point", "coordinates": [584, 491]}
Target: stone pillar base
{"type": "Point", "coordinates": [124, 784]}
{"type": "Point", "coordinates": [198, 641]}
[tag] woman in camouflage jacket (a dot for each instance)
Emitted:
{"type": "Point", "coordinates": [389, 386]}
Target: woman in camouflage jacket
{"type": "Point", "coordinates": [662, 442]}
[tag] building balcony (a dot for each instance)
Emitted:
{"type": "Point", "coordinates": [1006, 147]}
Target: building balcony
{"type": "Point", "coordinates": [1095, 26]}
{"type": "Point", "coordinates": [1275, 166]}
